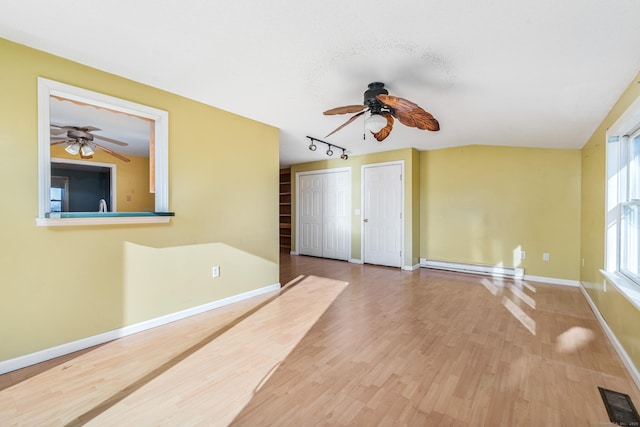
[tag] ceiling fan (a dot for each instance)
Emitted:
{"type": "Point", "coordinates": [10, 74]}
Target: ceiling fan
{"type": "Point", "coordinates": [80, 140]}
{"type": "Point", "coordinates": [383, 108]}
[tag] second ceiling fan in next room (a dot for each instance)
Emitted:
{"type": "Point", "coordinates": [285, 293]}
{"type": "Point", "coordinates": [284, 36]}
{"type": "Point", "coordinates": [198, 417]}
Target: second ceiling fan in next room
{"type": "Point", "coordinates": [80, 140]}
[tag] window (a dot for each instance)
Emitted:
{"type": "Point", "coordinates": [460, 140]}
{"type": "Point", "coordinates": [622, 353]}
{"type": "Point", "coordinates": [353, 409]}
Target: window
{"type": "Point", "coordinates": [59, 194]}
{"type": "Point", "coordinates": [622, 264]}
{"type": "Point", "coordinates": [629, 199]}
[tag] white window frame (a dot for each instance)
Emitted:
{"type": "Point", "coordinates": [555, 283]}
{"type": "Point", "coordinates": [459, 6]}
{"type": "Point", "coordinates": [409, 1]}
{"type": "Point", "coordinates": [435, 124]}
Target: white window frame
{"type": "Point", "coordinates": [618, 159]}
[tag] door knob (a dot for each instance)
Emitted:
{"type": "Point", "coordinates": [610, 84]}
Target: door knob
{"type": "Point", "coordinates": [365, 220]}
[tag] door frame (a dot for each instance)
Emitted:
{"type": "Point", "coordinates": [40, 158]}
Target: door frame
{"type": "Point", "coordinates": [297, 204]}
{"type": "Point", "coordinates": [402, 199]}
{"type": "Point", "coordinates": [113, 204]}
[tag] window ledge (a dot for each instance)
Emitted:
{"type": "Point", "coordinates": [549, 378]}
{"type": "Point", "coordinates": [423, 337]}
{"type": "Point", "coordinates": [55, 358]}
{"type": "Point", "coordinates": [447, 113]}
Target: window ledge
{"type": "Point", "coordinates": [626, 287]}
{"type": "Point", "coordinates": [104, 218]}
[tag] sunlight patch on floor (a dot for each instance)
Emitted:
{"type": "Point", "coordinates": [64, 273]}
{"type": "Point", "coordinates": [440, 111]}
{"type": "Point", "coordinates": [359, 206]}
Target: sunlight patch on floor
{"type": "Point", "coordinates": [207, 382]}
{"type": "Point", "coordinates": [573, 339]}
{"type": "Point", "coordinates": [519, 314]}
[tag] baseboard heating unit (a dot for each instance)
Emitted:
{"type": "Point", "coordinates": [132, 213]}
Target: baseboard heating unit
{"type": "Point", "coordinates": [487, 270]}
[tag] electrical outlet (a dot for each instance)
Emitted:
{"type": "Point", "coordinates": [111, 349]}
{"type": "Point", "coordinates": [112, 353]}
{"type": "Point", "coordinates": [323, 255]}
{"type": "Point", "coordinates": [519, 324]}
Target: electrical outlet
{"type": "Point", "coordinates": [215, 271]}
{"type": "Point", "coordinates": [523, 254]}
{"type": "Point", "coordinates": [545, 256]}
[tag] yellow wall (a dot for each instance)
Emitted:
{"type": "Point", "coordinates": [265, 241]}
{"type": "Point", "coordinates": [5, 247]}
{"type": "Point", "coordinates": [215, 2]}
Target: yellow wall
{"type": "Point", "coordinates": [411, 184]}
{"type": "Point", "coordinates": [482, 204]}
{"type": "Point", "coordinates": [132, 179]}
{"type": "Point", "coordinates": [60, 284]}
{"type": "Point", "coordinates": [621, 316]}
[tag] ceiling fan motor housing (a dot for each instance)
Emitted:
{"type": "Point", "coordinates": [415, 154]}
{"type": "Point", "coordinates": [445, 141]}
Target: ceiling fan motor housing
{"type": "Point", "coordinates": [370, 100]}
{"type": "Point", "coordinates": [79, 134]}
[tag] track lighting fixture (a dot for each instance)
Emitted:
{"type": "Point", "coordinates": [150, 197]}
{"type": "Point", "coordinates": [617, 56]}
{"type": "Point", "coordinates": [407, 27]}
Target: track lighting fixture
{"type": "Point", "coordinates": [329, 151]}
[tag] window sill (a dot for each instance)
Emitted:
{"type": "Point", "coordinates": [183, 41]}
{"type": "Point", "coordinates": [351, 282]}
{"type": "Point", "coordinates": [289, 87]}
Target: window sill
{"type": "Point", "coordinates": [103, 218]}
{"type": "Point", "coordinates": [626, 287]}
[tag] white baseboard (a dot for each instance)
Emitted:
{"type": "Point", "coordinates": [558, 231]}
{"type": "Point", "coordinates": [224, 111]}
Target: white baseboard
{"type": "Point", "coordinates": [411, 267]}
{"type": "Point", "coordinates": [487, 270]}
{"type": "Point", "coordinates": [356, 261]}
{"type": "Point", "coordinates": [552, 280]}
{"type": "Point", "coordinates": [626, 360]}
{"type": "Point", "coordinates": [62, 349]}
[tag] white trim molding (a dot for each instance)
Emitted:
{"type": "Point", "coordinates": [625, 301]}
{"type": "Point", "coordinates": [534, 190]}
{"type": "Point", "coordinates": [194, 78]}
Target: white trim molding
{"type": "Point", "coordinates": [67, 348]}
{"type": "Point", "coordinates": [411, 267]}
{"type": "Point", "coordinates": [552, 280]}
{"type": "Point", "coordinates": [55, 222]}
{"type": "Point", "coordinates": [624, 357]}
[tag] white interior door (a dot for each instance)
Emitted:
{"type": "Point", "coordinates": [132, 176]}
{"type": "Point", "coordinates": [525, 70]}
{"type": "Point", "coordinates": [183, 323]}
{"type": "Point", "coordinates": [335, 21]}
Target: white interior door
{"type": "Point", "coordinates": [382, 214]}
{"type": "Point", "coordinates": [310, 207]}
{"type": "Point", "coordinates": [324, 219]}
{"type": "Point", "coordinates": [336, 236]}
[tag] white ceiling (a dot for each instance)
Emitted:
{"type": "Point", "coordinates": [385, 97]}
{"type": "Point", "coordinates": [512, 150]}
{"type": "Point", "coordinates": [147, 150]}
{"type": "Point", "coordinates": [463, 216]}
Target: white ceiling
{"type": "Point", "coordinates": [502, 72]}
{"type": "Point", "coordinates": [133, 131]}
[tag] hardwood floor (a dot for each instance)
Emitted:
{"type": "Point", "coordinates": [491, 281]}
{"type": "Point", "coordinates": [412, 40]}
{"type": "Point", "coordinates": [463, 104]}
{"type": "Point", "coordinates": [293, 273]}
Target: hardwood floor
{"type": "Point", "coordinates": [345, 344]}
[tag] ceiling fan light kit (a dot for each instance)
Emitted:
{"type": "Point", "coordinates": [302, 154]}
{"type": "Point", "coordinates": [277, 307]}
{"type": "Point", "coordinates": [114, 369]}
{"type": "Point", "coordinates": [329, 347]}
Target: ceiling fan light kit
{"type": "Point", "coordinates": [375, 122]}
{"type": "Point", "coordinates": [382, 108]}
{"type": "Point", "coordinates": [329, 152]}
{"type": "Point", "coordinates": [86, 150]}
{"type": "Point", "coordinates": [73, 148]}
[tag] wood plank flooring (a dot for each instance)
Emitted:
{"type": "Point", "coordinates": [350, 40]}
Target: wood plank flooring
{"type": "Point", "coordinates": [423, 348]}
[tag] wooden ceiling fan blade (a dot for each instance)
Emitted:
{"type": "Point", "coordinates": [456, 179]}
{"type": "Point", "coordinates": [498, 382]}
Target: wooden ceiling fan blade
{"type": "Point", "coordinates": [113, 153]}
{"type": "Point", "coordinates": [418, 119]}
{"type": "Point", "coordinates": [409, 113]}
{"type": "Point", "coordinates": [57, 131]}
{"type": "Point", "coordinates": [347, 122]}
{"type": "Point", "coordinates": [385, 131]}
{"type": "Point", "coordinates": [113, 141]}
{"type": "Point", "coordinates": [345, 110]}
{"type": "Point", "coordinates": [396, 103]}
{"type": "Point", "coordinates": [61, 141]}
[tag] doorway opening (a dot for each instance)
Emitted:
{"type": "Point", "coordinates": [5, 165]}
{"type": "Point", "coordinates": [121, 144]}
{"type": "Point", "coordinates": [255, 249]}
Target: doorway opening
{"type": "Point", "coordinates": [78, 186]}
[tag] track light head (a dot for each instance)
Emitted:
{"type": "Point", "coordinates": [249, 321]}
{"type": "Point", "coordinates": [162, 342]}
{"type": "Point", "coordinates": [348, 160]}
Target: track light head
{"type": "Point", "coordinates": [314, 147]}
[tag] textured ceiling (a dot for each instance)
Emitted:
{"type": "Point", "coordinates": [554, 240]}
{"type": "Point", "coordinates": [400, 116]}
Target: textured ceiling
{"type": "Point", "coordinates": [524, 73]}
